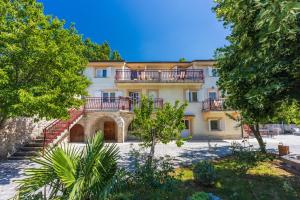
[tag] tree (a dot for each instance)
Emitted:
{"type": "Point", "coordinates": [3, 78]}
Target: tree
{"type": "Point", "coordinates": [259, 69]}
{"type": "Point", "coordinates": [97, 52]}
{"type": "Point", "coordinates": [73, 173]}
{"type": "Point", "coordinates": [41, 63]}
{"type": "Point", "coordinates": [182, 60]}
{"type": "Point", "coordinates": [116, 56]}
{"type": "Point", "coordinates": [153, 125]}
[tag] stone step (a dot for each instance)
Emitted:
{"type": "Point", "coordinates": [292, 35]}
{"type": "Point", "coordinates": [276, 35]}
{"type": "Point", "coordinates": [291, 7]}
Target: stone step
{"type": "Point", "coordinates": [26, 153]}
{"type": "Point", "coordinates": [33, 144]}
{"type": "Point", "coordinates": [19, 157]}
{"type": "Point", "coordinates": [32, 148]}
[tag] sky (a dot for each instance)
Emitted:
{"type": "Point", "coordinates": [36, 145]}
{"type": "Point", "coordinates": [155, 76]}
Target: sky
{"type": "Point", "coordinates": [146, 30]}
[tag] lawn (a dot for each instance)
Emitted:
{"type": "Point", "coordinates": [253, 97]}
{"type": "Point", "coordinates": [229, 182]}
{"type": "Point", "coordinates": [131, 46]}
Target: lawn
{"type": "Point", "coordinates": [264, 181]}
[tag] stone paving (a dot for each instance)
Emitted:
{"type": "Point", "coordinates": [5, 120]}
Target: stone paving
{"type": "Point", "coordinates": [190, 152]}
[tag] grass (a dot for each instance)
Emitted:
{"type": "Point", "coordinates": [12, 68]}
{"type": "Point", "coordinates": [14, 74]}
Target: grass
{"type": "Point", "coordinates": [264, 181]}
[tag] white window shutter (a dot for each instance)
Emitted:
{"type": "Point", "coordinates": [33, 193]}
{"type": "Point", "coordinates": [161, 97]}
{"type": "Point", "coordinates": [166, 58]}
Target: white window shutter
{"type": "Point", "coordinates": [187, 96]}
{"type": "Point", "coordinates": [199, 96]}
{"type": "Point", "coordinates": [222, 124]}
{"type": "Point", "coordinates": [108, 71]}
{"type": "Point", "coordinates": [210, 71]}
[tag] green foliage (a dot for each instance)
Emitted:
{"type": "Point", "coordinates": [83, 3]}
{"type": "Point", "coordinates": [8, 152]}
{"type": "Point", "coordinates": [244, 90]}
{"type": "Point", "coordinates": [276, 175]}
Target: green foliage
{"type": "Point", "coordinates": [156, 174]}
{"type": "Point", "coordinates": [116, 56]}
{"type": "Point", "coordinates": [204, 173]}
{"type": "Point", "coordinates": [259, 69]}
{"type": "Point", "coordinates": [289, 112]}
{"type": "Point", "coordinates": [182, 60]}
{"type": "Point", "coordinates": [245, 157]}
{"type": "Point", "coordinates": [72, 173]}
{"type": "Point", "coordinates": [200, 196]}
{"type": "Point", "coordinates": [153, 125]}
{"type": "Point", "coordinates": [97, 52]}
{"type": "Point", "coordinates": [41, 63]}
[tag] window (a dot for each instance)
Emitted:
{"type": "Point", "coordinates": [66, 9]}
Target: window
{"type": "Point", "coordinates": [192, 96]}
{"type": "Point", "coordinates": [212, 95]}
{"type": "Point", "coordinates": [214, 125]}
{"type": "Point", "coordinates": [101, 73]}
{"type": "Point", "coordinates": [108, 96]}
{"type": "Point", "coordinates": [212, 72]}
{"type": "Point", "coordinates": [105, 96]}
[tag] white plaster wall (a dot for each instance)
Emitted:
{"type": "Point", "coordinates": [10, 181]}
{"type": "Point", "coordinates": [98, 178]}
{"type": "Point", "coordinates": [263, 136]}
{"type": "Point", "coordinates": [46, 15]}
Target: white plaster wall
{"type": "Point", "coordinates": [171, 93]}
{"type": "Point", "coordinates": [97, 84]}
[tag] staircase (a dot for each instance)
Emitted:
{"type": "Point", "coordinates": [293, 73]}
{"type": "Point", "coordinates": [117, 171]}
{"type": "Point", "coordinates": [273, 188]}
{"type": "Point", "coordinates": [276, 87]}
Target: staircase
{"type": "Point", "coordinates": [53, 134]}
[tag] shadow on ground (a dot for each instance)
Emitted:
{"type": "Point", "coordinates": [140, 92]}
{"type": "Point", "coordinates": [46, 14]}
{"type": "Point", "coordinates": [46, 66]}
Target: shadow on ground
{"type": "Point", "coordinates": [10, 170]}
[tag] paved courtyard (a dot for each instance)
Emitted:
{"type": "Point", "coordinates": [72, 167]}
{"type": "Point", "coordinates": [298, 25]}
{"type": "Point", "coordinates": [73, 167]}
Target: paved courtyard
{"type": "Point", "coordinates": [190, 152]}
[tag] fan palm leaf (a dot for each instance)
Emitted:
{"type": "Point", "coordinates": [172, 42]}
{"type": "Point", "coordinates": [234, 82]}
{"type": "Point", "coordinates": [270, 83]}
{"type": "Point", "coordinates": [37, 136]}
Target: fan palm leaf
{"type": "Point", "coordinates": [72, 173]}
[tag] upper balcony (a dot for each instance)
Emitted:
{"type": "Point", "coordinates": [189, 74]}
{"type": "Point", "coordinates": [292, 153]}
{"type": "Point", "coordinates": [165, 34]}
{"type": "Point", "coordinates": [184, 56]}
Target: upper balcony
{"type": "Point", "coordinates": [160, 76]}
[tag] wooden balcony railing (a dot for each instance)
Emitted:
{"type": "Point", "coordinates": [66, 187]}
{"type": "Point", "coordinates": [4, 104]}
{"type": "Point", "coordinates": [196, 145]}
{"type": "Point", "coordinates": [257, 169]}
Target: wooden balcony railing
{"type": "Point", "coordinates": [213, 105]}
{"type": "Point", "coordinates": [171, 76]}
{"type": "Point", "coordinates": [114, 104]}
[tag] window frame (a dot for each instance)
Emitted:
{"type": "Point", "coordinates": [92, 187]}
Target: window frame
{"type": "Point", "coordinates": [109, 97]}
{"type": "Point", "coordinates": [191, 97]}
{"type": "Point", "coordinates": [212, 92]}
{"type": "Point", "coordinates": [218, 125]}
{"type": "Point", "coordinates": [101, 74]}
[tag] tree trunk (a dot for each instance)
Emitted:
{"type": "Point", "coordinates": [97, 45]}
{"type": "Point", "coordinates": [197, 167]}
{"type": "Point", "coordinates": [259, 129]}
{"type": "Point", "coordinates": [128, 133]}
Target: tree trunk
{"type": "Point", "coordinates": [152, 149]}
{"type": "Point", "coordinates": [255, 130]}
{"type": "Point", "coordinates": [2, 121]}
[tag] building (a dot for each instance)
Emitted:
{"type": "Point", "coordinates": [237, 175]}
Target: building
{"type": "Point", "coordinates": [117, 87]}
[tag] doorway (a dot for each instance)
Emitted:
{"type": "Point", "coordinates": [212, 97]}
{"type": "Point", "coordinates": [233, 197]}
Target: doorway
{"type": "Point", "coordinates": [77, 133]}
{"type": "Point", "coordinates": [109, 130]}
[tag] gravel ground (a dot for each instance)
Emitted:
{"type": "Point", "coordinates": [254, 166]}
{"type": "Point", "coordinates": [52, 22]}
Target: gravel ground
{"type": "Point", "coordinates": [190, 152]}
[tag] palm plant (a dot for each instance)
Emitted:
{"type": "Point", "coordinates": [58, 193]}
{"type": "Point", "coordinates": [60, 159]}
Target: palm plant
{"type": "Point", "coordinates": [68, 172]}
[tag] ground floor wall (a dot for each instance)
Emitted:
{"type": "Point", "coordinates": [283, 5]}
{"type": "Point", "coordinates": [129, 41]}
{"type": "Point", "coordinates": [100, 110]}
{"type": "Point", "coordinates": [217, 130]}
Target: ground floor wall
{"type": "Point", "coordinates": [114, 125]}
{"type": "Point", "coordinates": [18, 131]}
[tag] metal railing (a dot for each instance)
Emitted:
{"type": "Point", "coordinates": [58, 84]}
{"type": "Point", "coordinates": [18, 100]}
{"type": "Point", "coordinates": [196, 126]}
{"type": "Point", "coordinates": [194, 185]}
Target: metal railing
{"type": "Point", "coordinates": [53, 130]}
{"type": "Point", "coordinates": [163, 75]}
{"type": "Point", "coordinates": [213, 105]}
{"type": "Point", "coordinates": [114, 104]}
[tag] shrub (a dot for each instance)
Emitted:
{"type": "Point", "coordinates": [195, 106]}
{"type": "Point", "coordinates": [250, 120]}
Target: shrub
{"type": "Point", "coordinates": [204, 173]}
{"type": "Point", "coordinates": [200, 196]}
{"type": "Point", "coordinates": [246, 157]}
{"type": "Point", "coordinates": [203, 196]}
{"type": "Point", "coordinates": [156, 174]}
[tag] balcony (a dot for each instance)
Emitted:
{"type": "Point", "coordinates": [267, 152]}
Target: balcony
{"type": "Point", "coordinates": [98, 104]}
{"type": "Point", "coordinates": [160, 76]}
{"type": "Point", "coordinates": [213, 105]}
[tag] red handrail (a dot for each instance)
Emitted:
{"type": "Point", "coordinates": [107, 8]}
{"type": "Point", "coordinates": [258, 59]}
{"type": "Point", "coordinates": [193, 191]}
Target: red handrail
{"type": "Point", "coordinates": [55, 128]}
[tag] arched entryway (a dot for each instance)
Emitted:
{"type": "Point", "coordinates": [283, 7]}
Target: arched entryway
{"type": "Point", "coordinates": [77, 133]}
{"type": "Point", "coordinates": [107, 126]}
{"type": "Point", "coordinates": [109, 130]}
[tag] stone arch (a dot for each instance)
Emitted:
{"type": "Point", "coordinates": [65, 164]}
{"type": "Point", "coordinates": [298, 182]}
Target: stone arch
{"type": "Point", "coordinates": [77, 133]}
{"type": "Point", "coordinates": [108, 124]}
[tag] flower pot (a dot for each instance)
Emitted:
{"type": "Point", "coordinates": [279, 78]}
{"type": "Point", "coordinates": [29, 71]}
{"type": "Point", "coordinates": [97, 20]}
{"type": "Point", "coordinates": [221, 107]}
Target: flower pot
{"type": "Point", "coordinates": [283, 150]}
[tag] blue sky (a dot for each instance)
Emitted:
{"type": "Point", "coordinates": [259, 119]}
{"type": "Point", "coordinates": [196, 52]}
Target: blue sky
{"type": "Point", "coordinates": [146, 30]}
